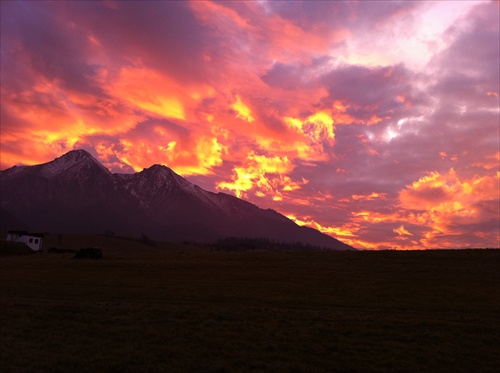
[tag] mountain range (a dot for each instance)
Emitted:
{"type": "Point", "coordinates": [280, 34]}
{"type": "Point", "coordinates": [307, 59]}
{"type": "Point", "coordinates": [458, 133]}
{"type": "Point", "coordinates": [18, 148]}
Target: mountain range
{"type": "Point", "coordinates": [75, 193]}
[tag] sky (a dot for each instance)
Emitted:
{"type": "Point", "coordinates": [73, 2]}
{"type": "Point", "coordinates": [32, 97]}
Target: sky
{"type": "Point", "coordinates": [376, 122]}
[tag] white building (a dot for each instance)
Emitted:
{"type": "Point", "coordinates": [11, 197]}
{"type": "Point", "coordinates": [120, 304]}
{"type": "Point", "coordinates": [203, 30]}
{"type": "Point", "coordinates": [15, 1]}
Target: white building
{"type": "Point", "coordinates": [32, 240]}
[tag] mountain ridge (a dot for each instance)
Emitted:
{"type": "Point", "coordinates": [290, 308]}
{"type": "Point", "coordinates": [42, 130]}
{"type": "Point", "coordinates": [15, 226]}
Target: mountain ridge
{"type": "Point", "coordinates": [75, 193]}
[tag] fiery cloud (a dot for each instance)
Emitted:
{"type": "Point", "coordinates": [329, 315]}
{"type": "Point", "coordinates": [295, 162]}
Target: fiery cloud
{"type": "Point", "coordinates": [376, 123]}
{"type": "Point", "coordinates": [266, 175]}
{"type": "Point", "coordinates": [450, 206]}
{"type": "Point", "coordinates": [242, 111]}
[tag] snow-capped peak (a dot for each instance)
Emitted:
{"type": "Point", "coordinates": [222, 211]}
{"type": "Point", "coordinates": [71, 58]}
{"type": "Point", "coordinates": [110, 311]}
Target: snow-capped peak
{"type": "Point", "coordinates": [68, 160]}
{"type": "Point", "coordinates": [160, 175]}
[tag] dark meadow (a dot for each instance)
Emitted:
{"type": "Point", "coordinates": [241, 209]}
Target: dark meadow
{"type": "Point", "coordinates": [181, 308]}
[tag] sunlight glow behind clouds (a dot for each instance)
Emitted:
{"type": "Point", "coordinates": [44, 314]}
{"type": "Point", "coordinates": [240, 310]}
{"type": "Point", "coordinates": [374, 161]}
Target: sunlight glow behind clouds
{"type": "Point", "coordinates": [376, 122]}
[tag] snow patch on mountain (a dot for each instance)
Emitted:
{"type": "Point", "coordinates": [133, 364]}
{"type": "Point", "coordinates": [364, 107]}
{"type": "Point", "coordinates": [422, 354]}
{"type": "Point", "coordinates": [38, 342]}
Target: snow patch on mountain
{"type": "Point", "coordinates": [74, 159]}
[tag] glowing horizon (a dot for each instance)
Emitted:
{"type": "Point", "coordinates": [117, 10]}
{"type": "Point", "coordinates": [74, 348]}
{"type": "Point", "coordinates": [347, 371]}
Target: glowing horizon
{"type": "Point", "coordinates": [375, 122]}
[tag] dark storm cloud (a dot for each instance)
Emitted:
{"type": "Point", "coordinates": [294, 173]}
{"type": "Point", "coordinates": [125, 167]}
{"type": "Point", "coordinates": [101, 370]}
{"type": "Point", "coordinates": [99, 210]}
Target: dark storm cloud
{"type": "Point", "coordinates": [163, 35]}
{"type": "Point", "coordinates": [375, 88]}
{"type": "Point", "coordinates": [37, 43]}
{"type": "Point", "coordinates": [57, 40]}
{"type": "Point", "coordinates": [367, 91]}
{"type": "Point", "coordinates": [290, 77]}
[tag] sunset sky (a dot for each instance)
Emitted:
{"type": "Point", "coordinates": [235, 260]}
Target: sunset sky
{"type": "Point", "coordinates": [376, 122]}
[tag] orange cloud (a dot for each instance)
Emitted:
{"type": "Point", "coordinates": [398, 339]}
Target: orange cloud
{"type": "Point", "coordinates": [373, 216]}
{"type": "Point", "coordinates": [443, 210]}
{"type": "Point", "coordinates": [156, 93]}
{"type": "Point", "coordinates": [267, 175]}
{"type": "Point", "coordinates": [445, 202]}
{"type": "Point", "coordinates": [343, 231]}
{"type": "Point", "coordinates": [221, 18]}
{"type": "Point", "coordinates": [315, 131]}
{"type": "Point", "coordinates": [339, 114]}
{"type": "Point", "coordinates": [401, 231]}
{"type": "Point", "coordinates": [348, 233]}
{"type": "Point", "coordinates": [49, 120]}
{"type": "Point", "coordinates": [281, 35]}
{"type": "Point", "coordinates": [489, 162]}
{"type": "Point", "coordinates": [369, 197]}
{"type": "Point", "coordinates": [242, 110]}
{"type": "Point", "coordinates": [317, 127]}
{"type": "Point", "coordinates": [175, 154]}
{"type": "Point", "coordinates": [209, 153]}
{"type": "Point", "coordinates": [374, 119]}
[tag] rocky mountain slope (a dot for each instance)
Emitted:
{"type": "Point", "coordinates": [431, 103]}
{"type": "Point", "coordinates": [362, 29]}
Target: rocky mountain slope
{"type": "Point", "coordinates": [75, 193]}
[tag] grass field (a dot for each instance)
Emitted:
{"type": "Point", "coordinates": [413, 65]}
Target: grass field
{"type": "Point", "coordinates": [179, 309]}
